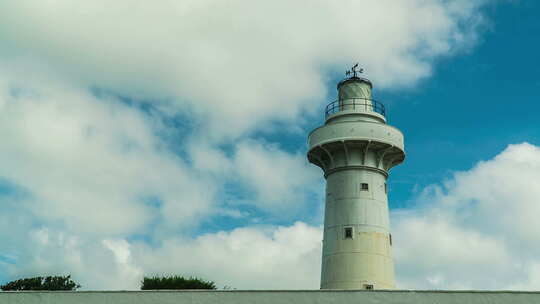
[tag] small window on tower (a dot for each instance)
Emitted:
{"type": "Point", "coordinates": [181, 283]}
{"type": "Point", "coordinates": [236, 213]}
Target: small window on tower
{"type": "Point", "coordinates": [348, 233]}
{"type": "Point", "coordinates": [364, 187]}
{"type": "Point", "coordinates": [368, 286]}
{"type": "Point", "coordinates": [385, 188]}
{"type": "Point", "coordinates": [390, 239]}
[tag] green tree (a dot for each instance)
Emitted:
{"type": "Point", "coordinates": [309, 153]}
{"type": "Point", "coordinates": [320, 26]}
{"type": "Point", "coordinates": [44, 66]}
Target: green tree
{"type": "Point", "coordinates": [175, 282]}
{"type": "Point", "coordinates": [42, 283]}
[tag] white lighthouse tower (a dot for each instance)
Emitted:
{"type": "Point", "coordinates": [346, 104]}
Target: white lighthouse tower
{"type": "Point", "coordinates": [356, 149]}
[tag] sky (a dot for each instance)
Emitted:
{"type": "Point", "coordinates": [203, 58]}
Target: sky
{"type": "Point", "coordinates": [169, 137]}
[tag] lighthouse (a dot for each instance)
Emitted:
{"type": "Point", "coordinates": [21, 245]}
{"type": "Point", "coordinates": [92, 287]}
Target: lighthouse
{"type": "Point", "coordinates": [356, 148]}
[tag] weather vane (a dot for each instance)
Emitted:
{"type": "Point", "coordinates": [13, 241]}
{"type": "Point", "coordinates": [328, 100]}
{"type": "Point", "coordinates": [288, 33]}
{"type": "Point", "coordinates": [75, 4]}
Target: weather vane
{"type": "Point", "coordinates": [354, 71]}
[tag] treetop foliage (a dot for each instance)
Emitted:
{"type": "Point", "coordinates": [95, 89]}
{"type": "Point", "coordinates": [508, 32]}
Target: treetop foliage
{"type": "Point", "coordinates": [175, 282]}
{"type": "Point", "coordinates": [42, 283]}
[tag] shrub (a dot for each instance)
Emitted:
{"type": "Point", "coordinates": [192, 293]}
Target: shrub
{"type": "Point", "coordinates": [42, 283]}
{"type": "Point", "coordinates": [175, 282]}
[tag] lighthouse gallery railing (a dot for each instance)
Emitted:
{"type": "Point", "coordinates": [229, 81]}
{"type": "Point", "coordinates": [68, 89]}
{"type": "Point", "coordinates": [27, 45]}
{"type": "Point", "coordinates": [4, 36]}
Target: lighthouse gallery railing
{"type": "Point", "coordinates": [362, 104]}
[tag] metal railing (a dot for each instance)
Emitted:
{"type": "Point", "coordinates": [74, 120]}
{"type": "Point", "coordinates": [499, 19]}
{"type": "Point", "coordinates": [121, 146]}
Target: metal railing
{"type": "Point", "coordinates": [361, 104]}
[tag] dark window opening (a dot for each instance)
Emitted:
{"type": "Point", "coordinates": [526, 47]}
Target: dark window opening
{"type": "Point", "coordinates": [364, 187]}
{"type": "Point", "coordinates": [368, 286]}
{"type": "Point", "coordinates": [385, 188]}
{"type": "Point", "coordinates": [390, 239]}
{"type": "Point", "coordinates": [348, 233]}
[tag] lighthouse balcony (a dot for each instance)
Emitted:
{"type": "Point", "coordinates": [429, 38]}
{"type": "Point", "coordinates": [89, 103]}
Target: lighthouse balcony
{"type": "Point", "coordinates": [354, 105]}
{"type": "Point", "coordinates": [356, 143]}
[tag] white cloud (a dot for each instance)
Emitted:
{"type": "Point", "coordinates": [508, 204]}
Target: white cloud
{"type": "Point", "coordinates": [265, 257]}
{"type": "Point", "coordinates": [478, 230]}
{"type": "Point", "coordinates": [125, 269]}
{"type": "Point", "coordinates": [245, 258]}
{"type": "Point", "coordinates": [235, 65]}
{"type": "Point", "coordinates": [532, 271]}
{"type": "Point", "coordinates": [278, 179]}
{"type": "Point", "coordinates": [91, 163]}
{"type": "Point", "coordinates": [105, 264]}
{"type": "Point", "coordinates": [81, 167]}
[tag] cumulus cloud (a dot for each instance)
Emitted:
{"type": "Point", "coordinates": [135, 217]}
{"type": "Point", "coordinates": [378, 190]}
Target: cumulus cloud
{"type": "Point", "coordinates": [277, 179]}
{"type": "Point", "coordinates": [235, 65]}
{"type": "Point", "coordinates": [104, 264]}
{"type": "Point", "coordinates": [259, 257]}
{"type": "Point", "coordinates": [476, 231]}
{"type": "Point", "coordinates": [245, 258]}
{"type": "Point", "coordinates": [256, 173]}
{"type": "Point", "coordinates": [85, 173]}
{"type": "Point", "coordinates": [91, 163]}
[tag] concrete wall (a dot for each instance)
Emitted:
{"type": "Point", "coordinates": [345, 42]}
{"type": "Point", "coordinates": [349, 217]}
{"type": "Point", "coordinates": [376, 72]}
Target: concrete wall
{"type": "Point", "coordinates": [272, 297]}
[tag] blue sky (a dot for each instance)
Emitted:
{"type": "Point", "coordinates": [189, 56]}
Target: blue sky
{"type": "Point", "coordinates": [176, 133]}
{"type": "Point", "coordinates": [476, 104]}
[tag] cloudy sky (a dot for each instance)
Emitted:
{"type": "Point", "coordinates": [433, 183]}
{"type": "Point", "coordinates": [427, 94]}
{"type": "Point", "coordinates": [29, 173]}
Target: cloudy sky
{"type": "Point", "coordinates": [169, 137]}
